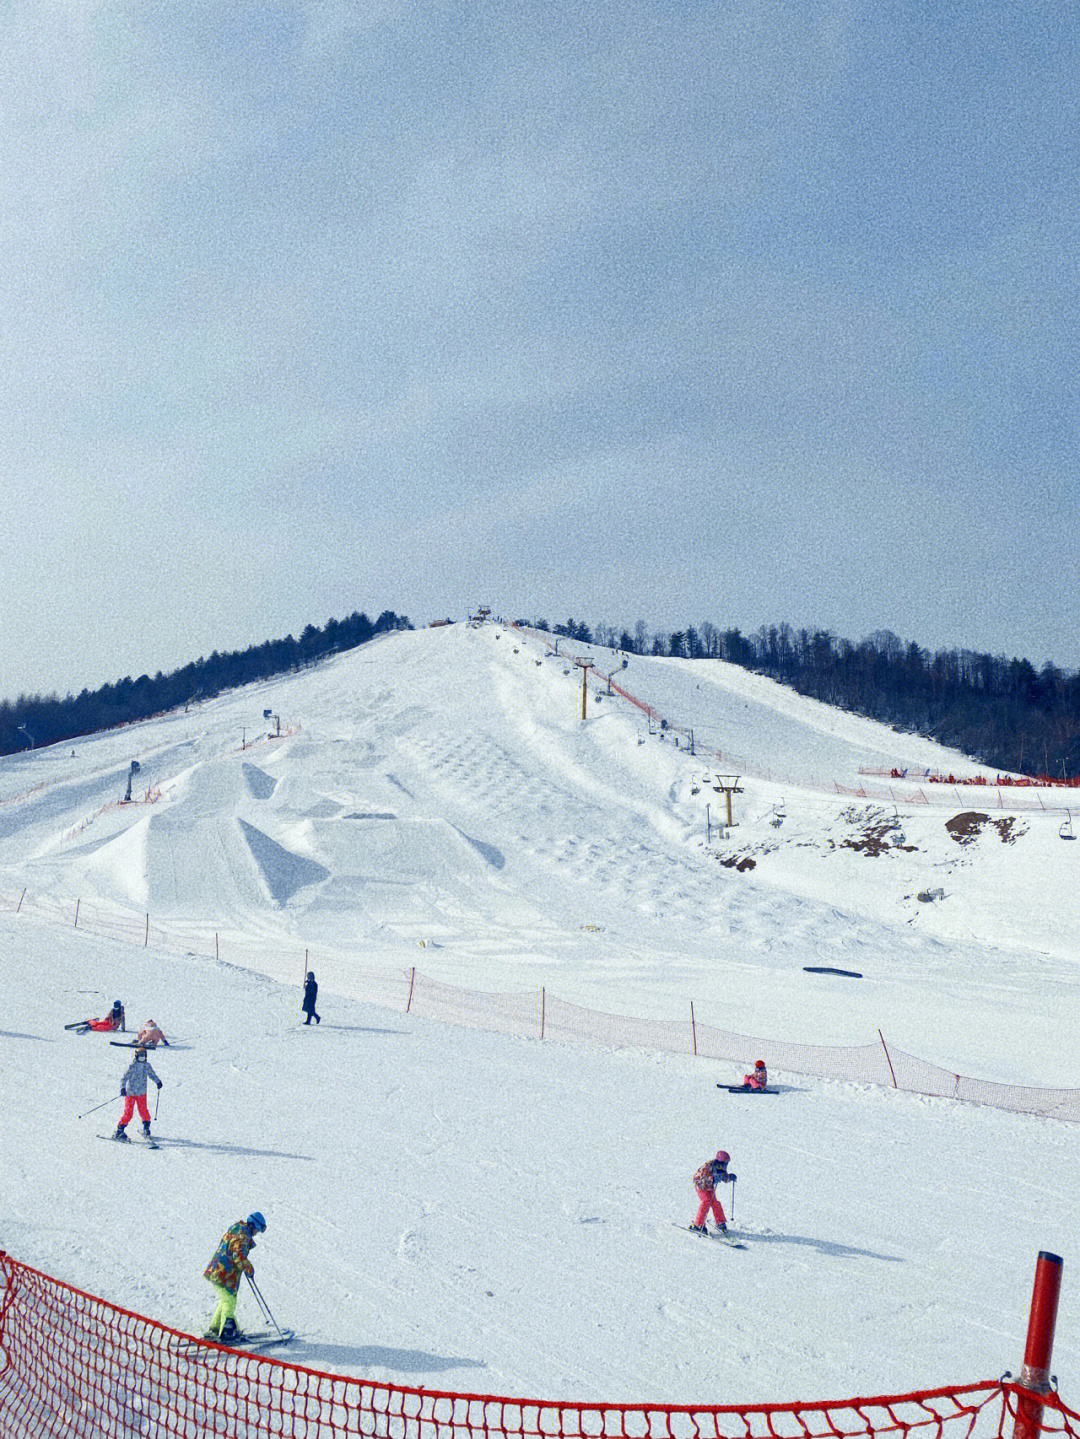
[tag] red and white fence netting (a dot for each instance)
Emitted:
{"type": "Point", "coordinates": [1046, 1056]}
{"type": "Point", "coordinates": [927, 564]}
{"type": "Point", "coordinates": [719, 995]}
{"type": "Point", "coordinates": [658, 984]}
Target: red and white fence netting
{"type": "Point", "coordinates": [73, 1366]}
{"type": "Point", "coordinates": [540, 1014]}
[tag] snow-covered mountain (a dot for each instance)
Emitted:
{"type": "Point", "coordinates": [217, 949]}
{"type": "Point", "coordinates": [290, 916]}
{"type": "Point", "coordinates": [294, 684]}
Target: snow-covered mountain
{"type": "Point", "coordinates": [469, 1210]}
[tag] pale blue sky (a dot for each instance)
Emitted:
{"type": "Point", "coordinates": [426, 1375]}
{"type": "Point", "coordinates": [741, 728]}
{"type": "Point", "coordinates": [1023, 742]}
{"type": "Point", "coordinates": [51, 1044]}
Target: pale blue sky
{"type": "Point", "coordinates": [749, 312]}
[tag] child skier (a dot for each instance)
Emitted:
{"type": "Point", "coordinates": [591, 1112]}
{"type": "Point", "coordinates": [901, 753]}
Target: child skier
{"type": "Point", "coordinates": [113, 1020]}
{"type": "Point", "coordinates": [151, 1036]}
{"type": "Point", "coordinates": [133, 1090]}
{"type": "Point", "coordinates": [311, 989]}
{"type": "Point", "coordinates": [711, 1173]}
{"type": "Point", "coordinates": [759, 1079]}
{"type": "Point", "coordinates": [230, 1260]}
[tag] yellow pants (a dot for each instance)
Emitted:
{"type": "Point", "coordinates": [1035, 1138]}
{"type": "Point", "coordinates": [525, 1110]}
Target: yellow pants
{"type": "Point", "coordinates": [226, 1307]}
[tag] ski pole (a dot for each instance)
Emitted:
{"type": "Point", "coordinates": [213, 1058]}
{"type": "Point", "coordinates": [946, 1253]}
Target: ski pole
{"type": "Point", "coordinates": [733, 1201]}
{"type": "Point", "coordinates": [157, 1101]}
{"type": "Point", "coordinates": [96, 1107]}
{"type": "Point", "coordinates": [264, 1306]}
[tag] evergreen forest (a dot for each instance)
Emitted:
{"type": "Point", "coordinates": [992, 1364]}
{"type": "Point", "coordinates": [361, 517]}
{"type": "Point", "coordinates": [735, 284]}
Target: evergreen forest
{"type": "Point", "coordinates": [39, 720]}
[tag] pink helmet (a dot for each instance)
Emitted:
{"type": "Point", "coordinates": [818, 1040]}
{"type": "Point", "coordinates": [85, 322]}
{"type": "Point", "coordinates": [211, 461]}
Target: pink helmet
{"type": "Point", "coordinates": [722, 1156]}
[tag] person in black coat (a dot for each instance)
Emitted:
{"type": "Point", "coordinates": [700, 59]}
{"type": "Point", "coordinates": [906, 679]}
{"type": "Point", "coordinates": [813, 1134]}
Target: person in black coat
{"type": "Point", "coordinates": [311, 989]}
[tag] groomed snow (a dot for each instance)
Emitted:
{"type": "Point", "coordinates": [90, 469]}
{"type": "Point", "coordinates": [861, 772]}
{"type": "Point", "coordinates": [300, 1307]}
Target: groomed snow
{"type": "Point", "coordinates": [460, 1210]}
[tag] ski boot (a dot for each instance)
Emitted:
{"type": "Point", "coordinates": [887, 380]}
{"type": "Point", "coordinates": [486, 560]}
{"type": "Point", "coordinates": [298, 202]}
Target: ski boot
{"type": "Point", "coordinates": [146, 1128]}
{"type": "Point", "coordinates": [699, 1229]}
{"type": "Point", "coordinates": [121, 1134]}
{"type": "Point", "coordinates": [230, 1333]}
{"type": "Point", "coordinates": [721, 1229]}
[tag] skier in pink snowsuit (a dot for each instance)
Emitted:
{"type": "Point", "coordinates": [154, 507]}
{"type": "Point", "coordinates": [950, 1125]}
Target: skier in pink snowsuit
{"type": "Point", "coordinates": [711, 1173]}
{"type": "Point", "coordinates": [759, 1079]}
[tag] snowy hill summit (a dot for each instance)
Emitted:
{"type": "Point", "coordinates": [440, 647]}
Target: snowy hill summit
{"type": "Point", "coordinates": [439, 790]}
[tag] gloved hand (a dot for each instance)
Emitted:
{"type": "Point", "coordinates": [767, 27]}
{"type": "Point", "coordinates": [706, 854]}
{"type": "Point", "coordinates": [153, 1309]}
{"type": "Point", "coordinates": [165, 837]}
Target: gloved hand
{"type": "Point", "coordinates": [123, 1094]}
{"type": "Point", "coordinates": [733, 1177]}
{"type": "Point", "coordinates": [159, 1084]}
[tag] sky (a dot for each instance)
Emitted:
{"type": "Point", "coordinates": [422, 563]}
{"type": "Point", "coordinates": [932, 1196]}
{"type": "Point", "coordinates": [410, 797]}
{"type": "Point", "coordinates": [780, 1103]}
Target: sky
{"type": "Point", "coordinates": [672, 311]}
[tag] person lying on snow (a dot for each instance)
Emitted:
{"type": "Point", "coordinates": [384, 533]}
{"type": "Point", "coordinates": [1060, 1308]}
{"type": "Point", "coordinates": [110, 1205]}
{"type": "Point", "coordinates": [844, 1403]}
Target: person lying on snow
{"type": "Point", "coordinates": [113, 1020]}
{"type": "Point", "coordinates": [150, 1036]}
{"type": "Point", "coordinates": [711, 1173]}
{"type": "Point", "coordinates": [229, 1261]}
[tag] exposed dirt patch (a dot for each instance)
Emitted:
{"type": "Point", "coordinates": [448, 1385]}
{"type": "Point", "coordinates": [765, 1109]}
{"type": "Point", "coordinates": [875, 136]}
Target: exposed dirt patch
{"type": "Point", "coordinates": [740, 862]}
{"type": "Point", "coordinates": [878, 833]}
{"type": "Point", "coordinates": [966, 827]}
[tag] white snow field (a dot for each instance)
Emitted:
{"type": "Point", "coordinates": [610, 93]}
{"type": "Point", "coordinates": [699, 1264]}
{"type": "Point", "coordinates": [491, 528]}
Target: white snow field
{"type": "Point", "coordinates": [467, 1210]}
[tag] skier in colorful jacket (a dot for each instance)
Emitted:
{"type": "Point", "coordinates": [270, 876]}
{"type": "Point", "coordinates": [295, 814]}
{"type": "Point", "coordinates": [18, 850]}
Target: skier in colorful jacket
{"type": "Point", "coordinates": [759, 1078]}
{"type": "Point", "coordinates": [711, 1173]}
{"type": "Point", "coordinates": [133, 1092]}
{"type": "Point", "coordinates": [229, 1262]}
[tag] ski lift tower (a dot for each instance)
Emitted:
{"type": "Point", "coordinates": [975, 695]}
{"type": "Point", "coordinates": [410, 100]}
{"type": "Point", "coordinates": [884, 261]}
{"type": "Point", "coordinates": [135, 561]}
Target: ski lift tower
{"type": "Point", "coordinates": [584, 665]}
{"type": "Point", "coordinates": [727, 785]}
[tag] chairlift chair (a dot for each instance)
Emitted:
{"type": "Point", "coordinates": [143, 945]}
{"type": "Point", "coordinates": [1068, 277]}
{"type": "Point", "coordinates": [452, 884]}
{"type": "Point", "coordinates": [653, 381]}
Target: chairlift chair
{"type": "Point", "coordinates": [1066, 830]}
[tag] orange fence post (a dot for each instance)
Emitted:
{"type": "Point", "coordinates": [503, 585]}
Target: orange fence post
{"type": "Point", "coordinates": [1042, 1318]}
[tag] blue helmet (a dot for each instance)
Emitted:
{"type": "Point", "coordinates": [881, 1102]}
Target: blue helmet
{"type": "Point", "coordinates": [257, 1222]}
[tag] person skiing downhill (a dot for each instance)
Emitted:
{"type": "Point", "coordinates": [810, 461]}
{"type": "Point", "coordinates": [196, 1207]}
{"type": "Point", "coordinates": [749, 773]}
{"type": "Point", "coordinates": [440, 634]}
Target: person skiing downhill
{"type": "Point", "coordinates": [711, 1173]}
{"type": "Point", "coordinates": [230, 1261]}
{"type": "Point", "coordinates": [311, 990]}
{"type": "Point", "coordinates": [759, 1078]}
{"type": "Point", "coordinates": [133, 1091]}
{"type": "Point", "coordinates": [113, 1020]}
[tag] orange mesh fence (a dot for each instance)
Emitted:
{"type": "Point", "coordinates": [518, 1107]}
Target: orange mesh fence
{"type": "Point", "coordinates": [542, 1015]}
{"type": "Point", "coordinates": [76, 1366]}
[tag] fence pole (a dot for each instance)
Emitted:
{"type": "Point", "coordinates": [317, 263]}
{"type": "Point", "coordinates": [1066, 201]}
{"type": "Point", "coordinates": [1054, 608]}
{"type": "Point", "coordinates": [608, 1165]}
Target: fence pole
{"type": "Point", "coordinates": [885, 1047]}
{"type": "Point", "coordinates": [217, 951]}
{"type": "Point", "coordinates": [146, 939]}
{"type": "Point", "coordinates": [21, 898]}
{"type": "Point", "coordinates": [77, 903]}
{"type": "Point", "coordinates": [543, 1010]}
{"type": "Point", "coordinates": [693, 1028]}
{"type": "Point", "coordinates": [1042, 1317]}
{"type": "Point", "coordinates": [412, 982]}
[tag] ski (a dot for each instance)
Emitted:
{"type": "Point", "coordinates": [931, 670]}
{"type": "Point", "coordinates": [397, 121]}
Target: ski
{"type": "Point", "coordinates": [745, 1089]}
{"type": "Point", "coordinates": [146, 1143]}
{"type": "Point", "coordinates": [134, 1044]}
{"type": "Point", "coordinates": [728, 1239]}
{"type": "Point", "coordinates": [262, 1338]}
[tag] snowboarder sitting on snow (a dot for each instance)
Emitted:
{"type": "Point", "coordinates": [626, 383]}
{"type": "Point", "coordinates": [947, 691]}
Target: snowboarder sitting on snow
{"type": "Point", "coordinates": [230, 1260]}
{"type": "Point", "coordinates": [311, 989]}
{"type": "Point", "coordinates": [711, 1173]}
{"type": "Point", "coordinates": [150, 1036]}
{"type": "Point", "coordinates": [113, 1020]}
{"type": "Point", "coordinates": [760, 1077]}
{"type": "Point", "coordinates": [133, 1090]}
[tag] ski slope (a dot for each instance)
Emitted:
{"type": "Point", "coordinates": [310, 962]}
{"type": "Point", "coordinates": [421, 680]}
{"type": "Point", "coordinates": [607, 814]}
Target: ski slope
{"type": "Point", "coordinates": [462, 1210]}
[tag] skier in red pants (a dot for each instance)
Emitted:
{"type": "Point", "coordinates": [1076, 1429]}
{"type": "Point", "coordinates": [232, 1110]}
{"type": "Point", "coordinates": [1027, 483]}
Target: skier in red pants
{"type": "Point", "coordinates": [133, 1092]}
{"type": "Point", "coordinates": [711, 1173]}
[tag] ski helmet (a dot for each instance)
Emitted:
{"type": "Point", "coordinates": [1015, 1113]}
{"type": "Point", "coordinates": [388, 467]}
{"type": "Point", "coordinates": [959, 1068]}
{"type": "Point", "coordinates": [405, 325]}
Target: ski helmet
{"type": "Point", "coordinates": [759, 1064]}
{"type": "Point", "coordinates": [140, 1053]}
{"type": "Point", "coordinates": [311, 974]}
{"type": "Point", "coordinates": [257, 1222]}
{"type": "Point", "coordinates": [116, 1004]}
{"type": "Point", "coordinates": [722, 1156]}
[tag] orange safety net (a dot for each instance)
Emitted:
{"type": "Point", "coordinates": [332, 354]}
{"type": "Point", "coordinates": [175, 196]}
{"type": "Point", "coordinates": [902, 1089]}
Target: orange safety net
{"type": "Point", "coordinates": [77, 1366]}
